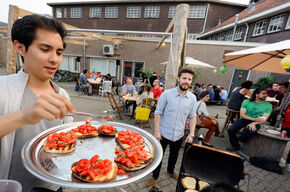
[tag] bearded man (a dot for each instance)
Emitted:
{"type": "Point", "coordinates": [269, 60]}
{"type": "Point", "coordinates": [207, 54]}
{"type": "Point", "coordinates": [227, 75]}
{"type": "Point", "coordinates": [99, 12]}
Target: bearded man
{"type": "Point", "coordinates": [174, 107]}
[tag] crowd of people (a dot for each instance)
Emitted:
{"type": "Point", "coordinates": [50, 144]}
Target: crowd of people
{"type": "Point", "coordinates": [34, 103]}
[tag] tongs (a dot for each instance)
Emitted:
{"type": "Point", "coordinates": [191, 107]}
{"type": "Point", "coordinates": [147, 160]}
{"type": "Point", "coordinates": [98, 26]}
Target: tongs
{"type": "Point", "coordinates": [77, 113]}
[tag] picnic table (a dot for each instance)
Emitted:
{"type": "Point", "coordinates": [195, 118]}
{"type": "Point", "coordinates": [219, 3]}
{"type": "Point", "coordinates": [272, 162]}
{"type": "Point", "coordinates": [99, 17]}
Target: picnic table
{"type": "Point", "coordinates": [267, 144]}
{"type": "Point", "coordinates": [131, 99]}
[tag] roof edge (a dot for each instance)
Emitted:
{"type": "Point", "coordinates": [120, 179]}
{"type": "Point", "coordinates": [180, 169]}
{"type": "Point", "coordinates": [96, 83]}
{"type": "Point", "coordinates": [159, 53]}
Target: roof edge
{"type": "Point", "coordinates": [247, 19]}
{"type": "Point", "coordinates": [144, 1]}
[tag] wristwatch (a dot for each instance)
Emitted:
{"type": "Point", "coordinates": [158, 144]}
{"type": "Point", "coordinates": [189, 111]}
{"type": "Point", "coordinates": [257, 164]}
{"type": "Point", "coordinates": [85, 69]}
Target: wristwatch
{"type": "Point", "coordinates": [191, 135]}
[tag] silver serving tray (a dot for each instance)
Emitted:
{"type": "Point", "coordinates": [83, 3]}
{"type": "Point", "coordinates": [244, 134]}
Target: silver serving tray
{"type": "Point", "coordinates": [56, 168]}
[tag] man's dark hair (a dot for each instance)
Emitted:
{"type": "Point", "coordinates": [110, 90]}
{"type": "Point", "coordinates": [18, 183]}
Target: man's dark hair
{"type": "Point", "coordinates": [257, 91]}
{"type": "Point", "coordinates": [85, 71]}
{"type": "Point", "coordinates": [203, 94]}
{"type": "Point", "coordinates": [285, 84]}
{"type": "Point", "coordinates": [185, 70]}
{"type": "Point", "coordinates": [275, 83]}
{"type": "Point", "coordinates": [24, 29]}
{"type": "Point", "coordinates": [147, 88]}
{"type": "Point", "coordinates": [247, 84]}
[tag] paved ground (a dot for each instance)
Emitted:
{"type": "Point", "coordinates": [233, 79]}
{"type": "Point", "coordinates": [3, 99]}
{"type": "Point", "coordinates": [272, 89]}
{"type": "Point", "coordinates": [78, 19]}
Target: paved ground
{"type": "Point", "coordinates": [261, 180]}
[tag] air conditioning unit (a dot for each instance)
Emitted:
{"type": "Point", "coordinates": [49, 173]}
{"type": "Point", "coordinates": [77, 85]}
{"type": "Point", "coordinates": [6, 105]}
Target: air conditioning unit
{"type": "Point", "coordinates": [108, 50]}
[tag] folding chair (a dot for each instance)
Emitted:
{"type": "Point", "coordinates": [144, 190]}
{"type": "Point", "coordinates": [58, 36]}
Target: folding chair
{"type": "Point", "coordinates": [114, 104]}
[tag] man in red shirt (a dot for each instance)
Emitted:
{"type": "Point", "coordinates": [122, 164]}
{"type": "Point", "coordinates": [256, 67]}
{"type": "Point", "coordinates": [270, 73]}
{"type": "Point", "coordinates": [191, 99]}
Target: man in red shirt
{"type": "Point", "coordinates": [157, 91]}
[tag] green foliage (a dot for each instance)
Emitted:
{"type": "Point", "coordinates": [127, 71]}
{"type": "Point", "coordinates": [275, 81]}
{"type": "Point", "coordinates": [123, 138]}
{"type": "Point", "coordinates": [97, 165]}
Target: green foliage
{"type": "Point", "coordinates": [147, 72]}
{"type": "Point", "coordinates": [265, 82]}
{"type": "Point", "coordinates": [197, 74]}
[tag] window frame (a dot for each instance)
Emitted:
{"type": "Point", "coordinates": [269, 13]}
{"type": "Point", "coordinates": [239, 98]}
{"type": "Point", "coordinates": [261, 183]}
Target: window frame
{"type": "Point", "coordinates": [229, 35]}
{"type": "Point", "coordinates": [263, 27]}
{"type": "Point", "coordinates": [221, 35]}
{"type": "Point", "coordinates": [196, 13]}
{"type": "Point", "coordinates": [58, 13]}
{"type": "Point", "coordinates": [276, 24]}
{"type": "Point", "coordinates": [287, 26]}
{"type": "Point", "coordinates": [239, 33]}
{"type": "Point", "coordinates": [134, 11]}
{"type": "Point", "coordinates": [150, 9]}
{"type": "Point", "coordinates": [171, 11]}
{"type": "Point", "coordinates": [97, 10]}
{"type": "Point", "coordinates": [111, 15]}
{"type": "Point", "coordinates": [65, 12]}
{"type": "Point", "coordinates": [73, 11]}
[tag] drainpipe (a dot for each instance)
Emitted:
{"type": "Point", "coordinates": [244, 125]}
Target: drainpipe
{"type": "Point", "coordinates": [235, 27]}
{"type": "Point", "coordinates": [205, 19]}
{"type": "Point", "coordinates": [247, 30]}
{"type": "Point", "coordinates": [84, 55]}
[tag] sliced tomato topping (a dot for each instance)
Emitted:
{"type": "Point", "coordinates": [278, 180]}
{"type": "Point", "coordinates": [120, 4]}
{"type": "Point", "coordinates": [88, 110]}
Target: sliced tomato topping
{"type": "Point", "coordinates": [86, 128]}
{"type": "Point", "coordinates": [117, 150]}
{"type": "Point", "coordinates": [121, 172]}
{"type": "Point", "coordinates": [91, 174]}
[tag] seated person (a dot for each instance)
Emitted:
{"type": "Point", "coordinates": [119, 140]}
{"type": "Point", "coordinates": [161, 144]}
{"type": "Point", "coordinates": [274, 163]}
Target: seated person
{"type": "Point", "coordinates": [210, 122]}
{"type": "Point", "coordinates": [211, 92]}
{"type": "Point", "coordinates": [93, 75]}
{"type": "Point", "coordinates": [223, 94]}
{"type": "Point", "coordinates": [254, 111]}
{"type": "Point", "coordinates": [84, 82]}
{"type": "Point", "coordinates": [128, 88]}
{"type": "Point", "coordinates": [216, 91]}
{"type": "Point", "coordinates": [274, 92]}
{"type": "Point", "coordinates": [276, 107]}
{"type": "Point", "coordinates": [157, 91]}
{"type": "Point", "coordinates": [146, 94]}
{"type": "Point", "coordinates": [238, 96]}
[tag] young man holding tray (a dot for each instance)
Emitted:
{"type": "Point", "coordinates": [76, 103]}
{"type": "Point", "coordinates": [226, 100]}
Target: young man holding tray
{"type": "Point", "coordinates": [29, 101]}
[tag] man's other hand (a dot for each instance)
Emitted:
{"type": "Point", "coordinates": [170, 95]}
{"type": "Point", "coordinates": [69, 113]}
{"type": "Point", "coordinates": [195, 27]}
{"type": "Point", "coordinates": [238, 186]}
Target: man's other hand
{"type": "Point", "coordinates": [157, 135]}
{"type": "Point", "coordinates": [189, 139]}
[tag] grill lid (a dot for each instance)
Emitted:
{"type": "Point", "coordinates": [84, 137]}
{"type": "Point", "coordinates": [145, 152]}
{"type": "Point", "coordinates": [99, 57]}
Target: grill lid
{"type": "Point", "coordinates": [212, 165]}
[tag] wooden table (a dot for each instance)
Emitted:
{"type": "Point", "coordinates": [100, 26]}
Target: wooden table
{"type": "Point", "coordinates": [265, 144]}
{"type": "Point", "coordinates": [131, 99]}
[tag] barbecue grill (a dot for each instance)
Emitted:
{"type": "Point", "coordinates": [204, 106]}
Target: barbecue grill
{"type": "Point", "coordinates": [210, 165]}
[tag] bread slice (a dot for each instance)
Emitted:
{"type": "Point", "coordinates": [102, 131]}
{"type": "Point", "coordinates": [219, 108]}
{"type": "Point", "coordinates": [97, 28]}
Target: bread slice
{"type": "Point", "coordinates": [190, 190]}
{"type": "Point", "coordinates": [126, 146]}
{"type": "Point", "coordinates": [100, 178]}
{"type": "Point", "coordinates": [67, 149]}
{"type": "Point", "coordinates": [188, 182]}
{"type": "Point", "coordinates": [83, 136]}
{"type": "Point", "coordinates": [137, 167]}
{"type": "Point", "coordinates": [112, 134]}
{"type": "Point", "coordinates": [202, 185]}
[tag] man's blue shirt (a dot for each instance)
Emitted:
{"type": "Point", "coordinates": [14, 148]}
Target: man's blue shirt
{"type": "Point", "coordinates": [175, 110]}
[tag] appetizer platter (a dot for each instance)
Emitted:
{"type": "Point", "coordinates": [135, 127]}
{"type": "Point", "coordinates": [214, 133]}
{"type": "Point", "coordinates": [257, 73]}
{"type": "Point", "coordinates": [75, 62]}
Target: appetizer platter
{"type": "Point", "coordinates": [90, 154]}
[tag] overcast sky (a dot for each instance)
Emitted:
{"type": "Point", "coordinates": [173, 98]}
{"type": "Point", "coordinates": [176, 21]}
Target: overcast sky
{"type": "Point", "coordinates": [41, 7]}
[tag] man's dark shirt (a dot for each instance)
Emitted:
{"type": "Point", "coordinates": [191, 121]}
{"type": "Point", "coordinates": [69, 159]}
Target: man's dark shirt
{"type": "Point", "coordinates": [276, 94]}
{"type": "Point", "coordinates": [236, 100]}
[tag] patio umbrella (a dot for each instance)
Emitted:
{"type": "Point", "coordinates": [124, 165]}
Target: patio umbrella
{"type": "Point", "coordinates": [190, 62]}
{"type": "Point", "coordinates": [265, 58]}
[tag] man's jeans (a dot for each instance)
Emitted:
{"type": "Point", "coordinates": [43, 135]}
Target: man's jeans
{"type": "Point", "coordinates": [246, 135]}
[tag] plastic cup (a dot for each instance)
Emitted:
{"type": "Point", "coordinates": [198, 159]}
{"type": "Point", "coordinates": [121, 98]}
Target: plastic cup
{"type": "Point", "coordinates": [10, 186]}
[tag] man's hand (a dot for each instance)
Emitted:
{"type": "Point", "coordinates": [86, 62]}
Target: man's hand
{"type": "Point", "coordinates": [157, 135]}
{"type": "Point", "coordinates": [189, 139]}
{"type": "Point", "coordinates": [252, 126]}
{"type": "Point", "coordinates": [48, 106]}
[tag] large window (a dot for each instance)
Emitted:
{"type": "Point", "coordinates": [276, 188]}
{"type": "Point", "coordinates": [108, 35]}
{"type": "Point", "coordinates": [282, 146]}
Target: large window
{"type": "Point", "coordinates": [133, 12]}
{"type": "Point", "coordinates": [259, 27]}
{"type": "Point", "coordinates": [103, 65]}
{"type": "Point", "coordinates": [229, 35]}
{"type": "Point", "coordinates": [152, 12]}
{"type": "Point", "coordinates": [221, 37]}
{"type": "Point", "coordinates": [196, 12]}
{"type": "Point", "coordinates": [76, 12]}
{"type": "Point", "coordinates": [70, 63]}
{"type": "Point", "coordinates": [95, 12]}
{"type": "Point", "coordinates": [111, 12]}
{"type": "Point", "coordinates": [288, 23]}
{"type": "Point", "coordinates": [276, 23]}
{"type": "Point", "coordinates": [64, 12]}
{"type": "Point", "coordinates": [191, 36]}
{"type": "Point", "coordinates": [239, 33]}
{"type": "Point", "coordinates": [58, 12]}
{"type": "Point", "coordinates": [172, 11]}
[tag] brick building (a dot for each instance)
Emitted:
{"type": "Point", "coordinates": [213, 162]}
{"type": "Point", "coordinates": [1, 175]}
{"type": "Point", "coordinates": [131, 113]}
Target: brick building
{"type": "Point", "coordinates": [264, 21]}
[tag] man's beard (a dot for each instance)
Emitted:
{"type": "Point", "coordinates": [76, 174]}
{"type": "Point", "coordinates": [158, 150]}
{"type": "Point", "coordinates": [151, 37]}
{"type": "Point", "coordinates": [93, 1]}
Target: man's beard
{"type": "Point", "coordinates": [262, 98]}
{"type": "Point", "coordinates": [183, 89]}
